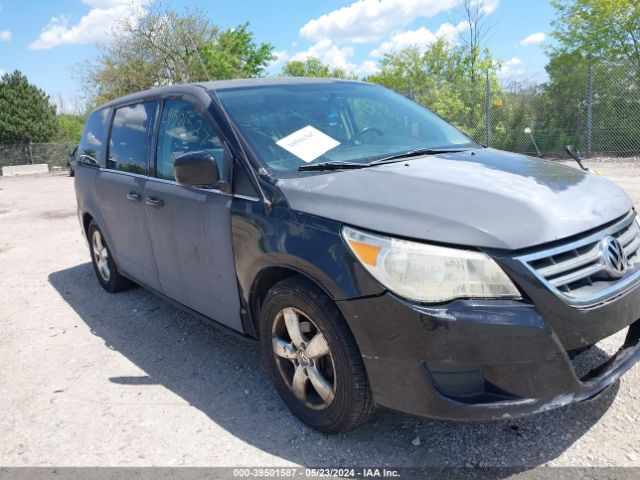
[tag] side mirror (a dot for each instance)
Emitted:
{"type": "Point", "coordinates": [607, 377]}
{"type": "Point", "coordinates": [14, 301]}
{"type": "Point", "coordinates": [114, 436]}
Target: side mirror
{"type": "Point", "coordinates": [196, 169]}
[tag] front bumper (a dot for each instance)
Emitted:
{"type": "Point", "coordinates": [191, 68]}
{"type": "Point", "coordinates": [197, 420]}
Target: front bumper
{"type": "Point", "coordinates": [481, 360]}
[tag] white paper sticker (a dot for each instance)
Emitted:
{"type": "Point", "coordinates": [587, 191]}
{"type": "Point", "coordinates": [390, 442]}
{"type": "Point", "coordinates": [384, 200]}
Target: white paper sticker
{"type": "Point", "coordinates": [308, 143]}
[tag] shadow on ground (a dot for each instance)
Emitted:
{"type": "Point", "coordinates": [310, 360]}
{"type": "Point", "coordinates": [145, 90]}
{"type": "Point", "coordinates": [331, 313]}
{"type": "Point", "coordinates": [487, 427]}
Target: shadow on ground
{"type": "Point", "coordinates": [221, 376]}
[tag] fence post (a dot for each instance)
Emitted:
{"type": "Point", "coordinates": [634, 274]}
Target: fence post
{"type": "Point", "coordinates": [487, 120]}
{"type": "Point", "coordinates": [589, 109]}
{"type": "Point", "coordinates": [30, 154]}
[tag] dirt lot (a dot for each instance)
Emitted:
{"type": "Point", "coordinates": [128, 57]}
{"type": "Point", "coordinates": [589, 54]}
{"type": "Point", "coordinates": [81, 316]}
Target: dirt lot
{"type": "Point", "coordinates": [90, 379]}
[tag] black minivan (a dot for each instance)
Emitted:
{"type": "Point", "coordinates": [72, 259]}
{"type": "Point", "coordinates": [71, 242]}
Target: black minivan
{"type": "Point", "coordinates": [379, 255]}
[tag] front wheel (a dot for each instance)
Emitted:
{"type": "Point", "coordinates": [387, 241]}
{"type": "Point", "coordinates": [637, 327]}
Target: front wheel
{"type": "Point", "coordinates": [312, 357]}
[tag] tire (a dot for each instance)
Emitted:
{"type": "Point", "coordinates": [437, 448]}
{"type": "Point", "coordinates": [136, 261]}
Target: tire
{"type": "Point", "coordinates": [103, 264]}
{"type": "Point", "coordinates": [349, 402]}
{"type": "Point", "coordinates": [71, 171]}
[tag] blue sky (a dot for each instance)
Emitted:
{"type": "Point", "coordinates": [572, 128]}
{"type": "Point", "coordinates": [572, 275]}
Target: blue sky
{"type": "Point", "coordinates": [46, 40]}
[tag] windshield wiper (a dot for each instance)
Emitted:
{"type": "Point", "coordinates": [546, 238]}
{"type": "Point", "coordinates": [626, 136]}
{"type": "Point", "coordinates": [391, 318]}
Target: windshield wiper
{"type": "Point", "coordinates": [332, 166]}
{"type": "Point", "coordinates": [415, 153]}
{"type": "Point", "coordinates": [391, 158]}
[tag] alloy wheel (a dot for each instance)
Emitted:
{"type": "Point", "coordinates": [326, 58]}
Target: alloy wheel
{"type": "Point", "coordinates": [100, 256]}
{"type": "Point", "coordinates": [304, 358]}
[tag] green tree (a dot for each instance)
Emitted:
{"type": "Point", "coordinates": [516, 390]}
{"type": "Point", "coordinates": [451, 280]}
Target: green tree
{"type": "Point", "coordinates": [235, 54]}
{"type": "Point", "coordinates": [602, 36]}
{"type": "Point", "coordinates": [313, 67]}
{"type": "Point", "coordinates": [604, 30]}
{"type": "Point", "coordinates": [162, 47]}
{"type": "Point", "coordinates": [475, 14]}
{"type": "Point", "coordinates": [70, 127]}
{"type": "Point", "coordinates": [26, 112]}
{"type": "Point", "coordinates": [442, 78]}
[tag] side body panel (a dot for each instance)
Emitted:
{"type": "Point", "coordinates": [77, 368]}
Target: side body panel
{"type": "Point", "coordinates": [86, 197]}
{"type": "Point", "coordinates": [191, 236]}
{"type": "Point", "coordinates": [124, 220]}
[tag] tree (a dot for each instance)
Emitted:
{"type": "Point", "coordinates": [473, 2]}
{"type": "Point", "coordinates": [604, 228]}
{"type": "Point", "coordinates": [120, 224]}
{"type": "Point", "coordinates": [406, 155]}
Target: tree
{"type": "Point", "coordinates": [600, 38]}
{"type": "Point", "coordinates": [235, 54]}
{"type": "Point", "coordinates": [26, 112]}
{"type": "Point", "coordinates": [313, 67]}
{"type": "Point", "coordinates": [162, 47]}
{"type": "Point", "coordinates": [70, 127]}
{"type": "Point", "coordinates": [439, 77]}
{"type": "Point", "coordinates": [475, 14]}
{"type": "Point", "coordinates": [605, 30]}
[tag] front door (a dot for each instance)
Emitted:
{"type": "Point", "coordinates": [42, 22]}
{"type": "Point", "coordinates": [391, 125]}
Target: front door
{"type": "Point", "coordinates": [191, 228]}
{"type": "Point", "coordinates": [121, 188]}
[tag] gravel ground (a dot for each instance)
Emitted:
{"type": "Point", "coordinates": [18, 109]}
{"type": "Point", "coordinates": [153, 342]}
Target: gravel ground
{"type": "Point", "coordinates": [92, 379]}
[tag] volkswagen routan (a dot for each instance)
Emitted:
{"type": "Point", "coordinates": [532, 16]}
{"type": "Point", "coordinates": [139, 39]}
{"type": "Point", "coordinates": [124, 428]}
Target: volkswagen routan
{"type": "Point", "coordinates": [379, 255]}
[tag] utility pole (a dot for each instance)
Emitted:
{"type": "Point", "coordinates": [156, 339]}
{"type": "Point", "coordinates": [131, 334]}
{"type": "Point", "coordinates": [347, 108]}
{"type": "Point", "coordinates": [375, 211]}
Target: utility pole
{"type": "Point", "coordinates": [487, 121]}
{"type": "Point", "coordinates": [589, 110]}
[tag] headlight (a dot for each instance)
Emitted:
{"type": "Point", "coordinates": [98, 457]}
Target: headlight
{"type": "Point", "coordinates": [428, 273]}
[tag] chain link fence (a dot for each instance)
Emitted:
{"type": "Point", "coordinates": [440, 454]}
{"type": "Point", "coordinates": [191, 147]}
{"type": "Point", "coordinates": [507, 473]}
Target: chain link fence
{"type": "Point", "coordinates": [596, 108]}
{"type": "Point", "coordinates": [53, 154]}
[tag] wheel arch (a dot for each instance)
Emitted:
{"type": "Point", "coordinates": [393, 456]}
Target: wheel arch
{"type": "Point", "coordinates": [86, 220]}
{"type": "Point", "coordinates": [265, 280]}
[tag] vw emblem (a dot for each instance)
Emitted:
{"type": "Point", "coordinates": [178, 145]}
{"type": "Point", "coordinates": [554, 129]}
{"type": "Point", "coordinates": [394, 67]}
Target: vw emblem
{"type": "Point", "coordinates": [614, 257]}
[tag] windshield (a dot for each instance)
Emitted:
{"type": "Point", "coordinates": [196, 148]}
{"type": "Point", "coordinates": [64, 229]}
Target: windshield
{"type": "Point", "coordinates": [289, 126]}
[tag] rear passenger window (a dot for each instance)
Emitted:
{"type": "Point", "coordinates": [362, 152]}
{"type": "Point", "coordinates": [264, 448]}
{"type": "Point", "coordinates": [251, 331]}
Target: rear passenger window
{"type": "Point", "coordinates": [130, 137]}
{"type": "Point", "coordinates": [184, 129]}
{"type": "Point", "coordinates": [93, 144]}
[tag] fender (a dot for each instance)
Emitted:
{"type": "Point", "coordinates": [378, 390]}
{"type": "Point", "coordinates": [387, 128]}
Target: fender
{"type": "Point", "coordinates": [85, 185]}
{"type": "Point", "coordinates": [304, 243]}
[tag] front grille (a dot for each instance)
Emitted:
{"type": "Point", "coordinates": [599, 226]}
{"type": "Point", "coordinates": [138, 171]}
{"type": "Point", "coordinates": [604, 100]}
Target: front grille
{"type": "Point", "coordinates": [577, 271]}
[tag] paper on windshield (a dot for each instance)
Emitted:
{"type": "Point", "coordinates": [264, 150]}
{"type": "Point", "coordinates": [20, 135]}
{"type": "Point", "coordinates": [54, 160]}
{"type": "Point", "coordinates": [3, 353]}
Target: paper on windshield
{"type": "Point", "coordinates": [308, 143]}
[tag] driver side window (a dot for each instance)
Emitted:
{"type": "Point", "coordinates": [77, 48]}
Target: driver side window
{"type": "Point", "coordinates": [184, 129]}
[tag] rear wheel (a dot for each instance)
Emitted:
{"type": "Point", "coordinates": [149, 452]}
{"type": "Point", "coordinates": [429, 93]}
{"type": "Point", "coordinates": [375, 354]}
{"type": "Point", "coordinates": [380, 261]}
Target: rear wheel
{"type": "Point", "coordinates": [312, 357]}
{"type": "Point", "coordinates": [70, 170]}
{"type": "Point", "coordinates": [103, 263]}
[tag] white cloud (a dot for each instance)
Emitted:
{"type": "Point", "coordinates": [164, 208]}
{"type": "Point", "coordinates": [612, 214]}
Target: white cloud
{"type": "Point", "coordinates": [488, 6]}
{"type": "Point", "coordinates": [368, 20]}
{"type": "Point", "coordinates": [281, 57]}
{"type": "Point", "coordinates": [449, 32]}
{"type": "Point", "coordinates": [507, 70]}
{"type": "Point", "coordinates": [366, 68]}
{"type": "Point", "coordinates": [2, 72]}
{"type": "Point", "coordinates": [420, 38]}
{"type": "Point", "coordinates": [93, 27]}
{"type": "Point", "coordinates": [5, 36]}
{"type": "Point", "coordinates": [328, 53]}
{"type": "Point", "coordinates": [533, 39]}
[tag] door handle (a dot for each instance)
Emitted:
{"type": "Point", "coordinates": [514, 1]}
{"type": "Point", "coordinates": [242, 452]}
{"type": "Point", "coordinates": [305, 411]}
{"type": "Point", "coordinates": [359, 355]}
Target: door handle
{"type": "Point", "coordinates": [154, 202]}
{"type": "Point", "coordinates": [134, 197]}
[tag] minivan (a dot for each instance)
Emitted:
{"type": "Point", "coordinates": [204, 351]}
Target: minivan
{"type": "Point", "coordinates": [380, 256]}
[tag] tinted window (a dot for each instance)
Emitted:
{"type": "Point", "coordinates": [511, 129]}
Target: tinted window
{"type": "Point", "coordinates": [184, 129]}
{"type": "Point", "coordinates": [129, 137]}
{"type": "Point", "coordinates": [93, 143]}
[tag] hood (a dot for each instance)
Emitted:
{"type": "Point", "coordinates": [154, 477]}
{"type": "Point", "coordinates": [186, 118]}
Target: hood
{"type": "Point", "coordinates": [481, 198]}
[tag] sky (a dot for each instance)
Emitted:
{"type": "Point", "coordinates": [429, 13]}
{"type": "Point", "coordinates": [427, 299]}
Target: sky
{"type": "Point", "coordinates": [48, 40]}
